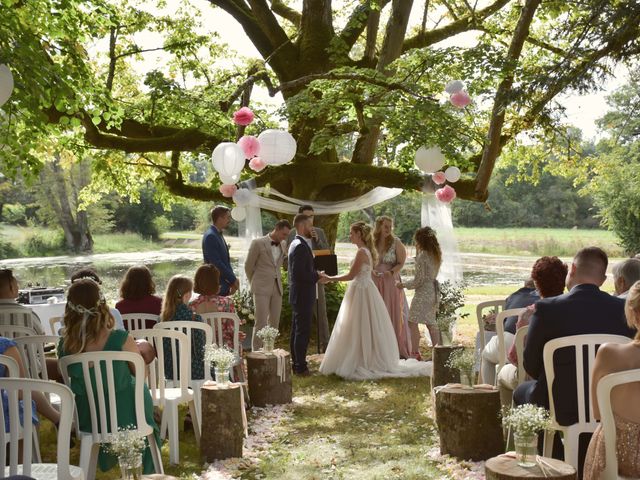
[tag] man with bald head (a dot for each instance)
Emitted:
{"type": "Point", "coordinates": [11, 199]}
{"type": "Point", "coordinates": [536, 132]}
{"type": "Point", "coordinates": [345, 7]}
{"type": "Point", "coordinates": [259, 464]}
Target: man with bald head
{"type": "Point", "coordinates": [585, 309]}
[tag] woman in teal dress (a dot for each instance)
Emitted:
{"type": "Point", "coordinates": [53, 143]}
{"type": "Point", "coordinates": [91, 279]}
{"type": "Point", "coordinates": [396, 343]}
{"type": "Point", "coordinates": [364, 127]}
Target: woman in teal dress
{"type": "Point", "coordinates": [89, 328]}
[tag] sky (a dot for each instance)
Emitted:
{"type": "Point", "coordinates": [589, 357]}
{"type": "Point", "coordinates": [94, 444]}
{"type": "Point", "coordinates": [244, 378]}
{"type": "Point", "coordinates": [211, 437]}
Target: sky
{"type": "Point", "coordinates": [581, 110]}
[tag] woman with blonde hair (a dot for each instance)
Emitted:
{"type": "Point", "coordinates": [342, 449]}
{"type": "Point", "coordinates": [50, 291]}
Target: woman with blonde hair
{"type": "Point", "coordinates": [363, 344]}
{"type": "Point", "coordinates": [88, 327]}
{"type": "Point", "coordinates": [425, 301]}
{"type": "Point", "coordinates": [612, 358]}
{"type": "Point", "coordinates": [175, 307]}
{"type": "Point", "coordinates": [386, 273]}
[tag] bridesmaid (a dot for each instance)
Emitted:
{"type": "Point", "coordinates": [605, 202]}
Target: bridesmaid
{"type": "Point", "coordinates": [391, 258]}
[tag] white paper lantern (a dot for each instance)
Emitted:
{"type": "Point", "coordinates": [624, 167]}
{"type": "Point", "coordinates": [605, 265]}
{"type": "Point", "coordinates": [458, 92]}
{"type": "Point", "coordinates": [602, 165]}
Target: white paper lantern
{"type": "Point", "coordinates": [454, 86]}
{"type": "Point", "coordinates": [238, 213]}
{"type": "Point", "coordinates": [228, 160]}
{"type": "Point", "coordinates": [232, 180]}
{"type": "Point", "coordinates": [277, 147]}
{"type": "Point", "coordinates": [6, 84]}
{"type": "Point", "coordinates": [429, 160]}
{"type": "Point", "coordinates": [452, 174]}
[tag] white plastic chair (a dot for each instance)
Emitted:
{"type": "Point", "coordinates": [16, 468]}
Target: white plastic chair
{"type": "Point", "coordinates": [139, 321]}
{"type": "Point", "coordinates": [44, 471]}
{"type": "Point", "coordinates": [33, 356]}
{"type": "Point", "coordinates": [502, 351]}
{"type": "Point", "coordinates": [101, 407]}
{"type": "Point", "coordinates": [187, 328]}
{"type": "Point", "coordinates": [56, 323]}
{"type": "Point", "coordinates": [18, 317]}
{"type": "Point", "coordinates": [521, 335]}
{"type": "Point", "coordinates": [586, 423]}
{"type": "Point", "coordinates": [170, 393]}
{"type": "Point", "coordinates": [484, 336]}
{"type": "Point", "coordinates": [605, 385]}
{"type": "Point", "coordinates": [214, 320]}
{"type": "Point", "coordinates": [15, 331]}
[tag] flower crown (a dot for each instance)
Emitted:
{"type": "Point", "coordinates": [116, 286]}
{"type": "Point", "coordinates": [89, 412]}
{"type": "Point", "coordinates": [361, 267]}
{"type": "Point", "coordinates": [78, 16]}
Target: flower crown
{"type": "Point", "coordinates": [81, 309]}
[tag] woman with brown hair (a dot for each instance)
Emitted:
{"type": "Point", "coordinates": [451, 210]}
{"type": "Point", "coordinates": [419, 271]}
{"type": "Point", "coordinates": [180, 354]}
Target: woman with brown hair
{"type": "Point", "coordinates": [137, 292]}
{"type": "Point", "coordinates": [88, 327]}
{"type": "Point", "coordinates": [425, 301]}
{"type": "Point", "coordinates": [391, 256]}
{"type": "Point", "coordinates": [206, 283]}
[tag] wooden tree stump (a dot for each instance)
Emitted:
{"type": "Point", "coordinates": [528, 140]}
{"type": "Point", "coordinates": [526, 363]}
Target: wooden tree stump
{"type": "Point", "coordinates": [504, 467]}
{"type": "Point", "coordinates": [468, 423]}
{"type": "Point", "coordinates": [266, 386]}
{"type": "Point", "coordinates": [441, 373]}
{"type": "Point", "coordinates": [222, 426]}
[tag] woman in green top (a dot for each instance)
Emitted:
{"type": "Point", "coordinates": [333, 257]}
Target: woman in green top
{"type": "Point", "coordinates": [89, 328]}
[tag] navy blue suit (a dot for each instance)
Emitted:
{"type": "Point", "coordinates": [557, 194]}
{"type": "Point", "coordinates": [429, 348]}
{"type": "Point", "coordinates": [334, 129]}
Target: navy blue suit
{"type": "Point", "coordinates": [584, 310]}
{"type": "Point", "coordinates": [302, 296]}
{"type": "Point", "coordinates": [216, 252]}
{"type": "Point", "coordinates": [519, 299]}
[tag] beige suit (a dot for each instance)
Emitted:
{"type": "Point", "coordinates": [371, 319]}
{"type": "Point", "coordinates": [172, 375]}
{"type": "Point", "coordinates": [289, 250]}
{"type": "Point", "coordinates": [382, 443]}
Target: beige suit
{"type": "Point", "coordinates": [265, 279]}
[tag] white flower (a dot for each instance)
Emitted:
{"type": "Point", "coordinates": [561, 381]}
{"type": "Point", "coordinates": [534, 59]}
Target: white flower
{"type": "Point", "coordinates": [267, 333]}
{"type": "Point", "coordinates": [126, 442]}
{"type": "Point", "coordinates": [222, 357]}
{"type": "Point", "coordinates": [526, 419]}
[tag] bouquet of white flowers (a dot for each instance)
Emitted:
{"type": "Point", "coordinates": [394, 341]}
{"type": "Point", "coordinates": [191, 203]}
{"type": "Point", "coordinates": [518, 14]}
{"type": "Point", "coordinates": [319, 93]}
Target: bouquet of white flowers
{"type": "Point", "coordinates": [526, 419]}
{"type": "Point", "coordinates": [222, 357]}
{"type": "Point", "coordinates": [128, 444]}
{"type": "Point", "coordinates": [268, 333]}
{"type": "Point", "coordinates": [464, 361]}
{"type": "Point", "coordinates": [243, 301]}
{"type": "Point", "coordinates": [451, 300]}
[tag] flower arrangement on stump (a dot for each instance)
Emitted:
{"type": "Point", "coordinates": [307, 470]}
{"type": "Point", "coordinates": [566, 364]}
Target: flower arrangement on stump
{"type": "Point", "coordinates": [128, 445]}
{"type": "Point", "coordinates": [464, 361]}
{"type": "Point", "coordinates": [268, 336]}
{"type": "Point", "coordinates": [222, 359]}
{"type": "Point", "coordinates": [451, 300]}
{"type": "Point", "coordinates": [526, 421]}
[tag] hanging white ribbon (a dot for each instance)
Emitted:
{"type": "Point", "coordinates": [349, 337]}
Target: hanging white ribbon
{"type": "Point", "coordinates": [437, 215]}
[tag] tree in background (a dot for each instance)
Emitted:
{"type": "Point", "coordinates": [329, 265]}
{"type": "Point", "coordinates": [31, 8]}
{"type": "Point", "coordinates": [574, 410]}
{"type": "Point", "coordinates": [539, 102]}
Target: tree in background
{"type": "Point", "coordinates": [357, 78]}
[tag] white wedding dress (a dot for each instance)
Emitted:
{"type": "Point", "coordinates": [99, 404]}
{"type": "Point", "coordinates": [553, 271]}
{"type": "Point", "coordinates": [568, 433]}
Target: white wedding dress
{"type": "Point", "coordinates": [363, 344]}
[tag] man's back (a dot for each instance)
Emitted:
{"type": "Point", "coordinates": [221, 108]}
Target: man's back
{"type": "Point", "coordinates": [20, 315]}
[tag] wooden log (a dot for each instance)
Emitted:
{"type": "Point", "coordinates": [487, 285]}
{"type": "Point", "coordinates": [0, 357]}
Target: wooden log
{"type": "Point", "coordinates": [505, 467]}
{"type": "Point", "coordinates": [441, 373]}
{"type": "Point", "coordinates": [222, 424]}
{"type": "Point", "coordinates": [468, 421]}
{"type": "Point", "coordinates": [266, 387]}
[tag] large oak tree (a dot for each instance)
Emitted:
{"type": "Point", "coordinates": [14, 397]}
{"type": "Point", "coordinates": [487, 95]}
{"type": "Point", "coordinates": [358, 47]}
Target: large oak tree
{"type": "Point", "coordinates": [361, 80]}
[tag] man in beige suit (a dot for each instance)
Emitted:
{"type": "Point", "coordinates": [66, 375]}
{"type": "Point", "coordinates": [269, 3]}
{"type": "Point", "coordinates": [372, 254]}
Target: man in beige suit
{"type": "Point", "coordinates": [262, 267]}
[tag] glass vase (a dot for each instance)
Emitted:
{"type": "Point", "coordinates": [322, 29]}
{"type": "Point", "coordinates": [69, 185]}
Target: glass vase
{"type": "Point", "coordinates": [446, 337]}
{"type": "Point", "coordinates": [222, 375]}
{"type": "Point", "coordinates": [267, 345]}
{"type": "Point", "coordinates": [466, 379]}
{"type": "Point", "coordinates": [526, 446]}
{"type": "Point", "coordinates": [131, 466]}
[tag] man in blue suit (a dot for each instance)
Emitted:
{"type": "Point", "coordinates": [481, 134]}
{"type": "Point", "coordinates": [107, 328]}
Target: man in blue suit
{"type": "Point", "coordinates": [585, 309]}
{"type": "Point", "coordinates": [216, 251]}
{"type": "Point", "coordinates": [302, 291]}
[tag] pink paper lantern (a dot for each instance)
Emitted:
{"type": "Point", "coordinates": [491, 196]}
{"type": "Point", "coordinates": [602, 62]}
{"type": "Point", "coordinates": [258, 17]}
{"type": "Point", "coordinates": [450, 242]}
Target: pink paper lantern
{"type": "Point", "coordinates": [460, 99]}
{"type": "Point", "coordinates": [249, 145]}
{"type": "Point", "coordinates": [256, 164]}
{"type": "Point", "coordinates": [446, 194]}
{"type": "Point", "coordinates": [438, 178]}
{"type": "Point", "coordinates": [228, 190]}
{"type": "Point", "coordinates": [243, 117]}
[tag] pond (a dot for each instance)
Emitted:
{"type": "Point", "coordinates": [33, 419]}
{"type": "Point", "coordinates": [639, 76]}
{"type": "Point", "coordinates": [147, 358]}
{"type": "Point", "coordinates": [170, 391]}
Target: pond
{"type": "Point", "coordinates": [479, 269]}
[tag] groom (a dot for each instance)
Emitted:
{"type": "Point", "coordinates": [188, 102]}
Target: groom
{"type": "Point", "coordinates": [302, 291]}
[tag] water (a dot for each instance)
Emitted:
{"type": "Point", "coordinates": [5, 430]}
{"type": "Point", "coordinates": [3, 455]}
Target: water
{"type": "Point", "coordinates": [479, 269]}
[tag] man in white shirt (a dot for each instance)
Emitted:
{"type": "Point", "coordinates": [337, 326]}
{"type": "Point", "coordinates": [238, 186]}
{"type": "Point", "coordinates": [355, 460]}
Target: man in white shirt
{"type": "Point", "coordinates": [11, 312]}
{"type": "Point", "coordinates": [262, 266]}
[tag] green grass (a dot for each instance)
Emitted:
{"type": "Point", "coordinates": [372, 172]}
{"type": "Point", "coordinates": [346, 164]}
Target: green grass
{"type": "Point", "coordinates": [122, 242]}
{"type": "Point", "coordinates": [535, 241]}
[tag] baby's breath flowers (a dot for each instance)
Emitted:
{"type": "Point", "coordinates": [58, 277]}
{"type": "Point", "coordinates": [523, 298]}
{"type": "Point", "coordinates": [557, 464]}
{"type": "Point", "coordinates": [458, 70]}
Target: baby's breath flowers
{"type": "Point", "coordinates": [222, 357]}
{"type": "Point", "coordinates": [526, 419]}
{"type": "Point", "coordinates": [267, 333]}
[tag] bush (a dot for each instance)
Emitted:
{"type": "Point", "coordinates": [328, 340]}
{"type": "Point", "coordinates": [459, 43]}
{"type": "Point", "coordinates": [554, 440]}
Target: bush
{"type": "Point", "coordinates": [45, 245]}
{"type": "Point", "coordinates": [14, 214]}
{"type": "Point", "coordinates": [7, 250]}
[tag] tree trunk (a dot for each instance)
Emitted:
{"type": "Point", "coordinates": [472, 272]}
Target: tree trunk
{"type": "Point", "coordinates": [222, 428]}
{"type": "Point", "coordinates": [266, 387]}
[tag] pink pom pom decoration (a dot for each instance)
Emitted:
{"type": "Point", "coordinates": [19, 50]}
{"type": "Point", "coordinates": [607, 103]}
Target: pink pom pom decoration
{"type": "Point", "coordinates": [228, 190]}
{"type": "Point", "coordinates": [256, 164]}
{"type": "Point", "coordinates": [438, 178]}
{"type": "Point", "coordinates": [460, 99]}
{"type": "Point", "coordinates": [249, 145]}
{"type": "Point", "coordinates": [446, 194]}
{"type": "Point", "coordinates": [243, 117]}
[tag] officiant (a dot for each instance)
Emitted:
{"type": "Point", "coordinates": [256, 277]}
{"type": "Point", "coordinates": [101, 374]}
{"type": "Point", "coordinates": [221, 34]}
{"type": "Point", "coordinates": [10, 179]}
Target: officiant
{"type": "Point", "coordinates": [317, 241]}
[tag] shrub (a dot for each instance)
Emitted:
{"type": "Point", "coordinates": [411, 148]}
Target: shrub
{"type": "Point", "coordinates": [45, 245]}
{"type": "Point", "coordinates": [7, 250]}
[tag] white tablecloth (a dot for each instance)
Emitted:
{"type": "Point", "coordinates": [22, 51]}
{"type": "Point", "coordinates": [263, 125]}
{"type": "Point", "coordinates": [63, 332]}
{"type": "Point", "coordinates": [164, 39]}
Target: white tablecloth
{"type": "Point", "coordinates": [45, 311]}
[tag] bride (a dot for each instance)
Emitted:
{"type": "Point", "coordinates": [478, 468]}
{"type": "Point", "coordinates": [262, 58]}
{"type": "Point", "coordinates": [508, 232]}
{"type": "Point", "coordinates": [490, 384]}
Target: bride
{"type": "Point", "coordinates": [363, 343]}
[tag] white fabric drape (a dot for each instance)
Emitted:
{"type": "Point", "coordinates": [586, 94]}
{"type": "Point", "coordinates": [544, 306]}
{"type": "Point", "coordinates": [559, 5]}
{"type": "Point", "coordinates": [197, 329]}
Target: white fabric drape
{"type": "Point", "coordinates": [437, 215]}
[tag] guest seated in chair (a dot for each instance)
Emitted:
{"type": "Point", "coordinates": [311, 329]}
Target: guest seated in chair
{"type": "Point", "coordinates": [137, 293]}
{"type": "Point", "coordinates": [88, 327]}
{"type": "Point", "coordinates": [548, 274]}
{"type": "Point", "coordinates": [625, 274]}
{"type": "Point", "coordinates": [8, 293]}
{"type": "Point", "coordinates": [206, 283]}
{"type": "Point", "coordinates": [612, 358]}
{"type": "Point", "coordinates": [525, 296]}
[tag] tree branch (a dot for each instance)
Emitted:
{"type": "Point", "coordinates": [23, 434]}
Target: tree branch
{"type": "Point", "coordinates": [280, 8]}
{"type": "Point", "coordinates": [268, 22]}
{"type": "Point", "coordinates": [468, 22]}
{"type": "Point", "coordinates": [358, 20]}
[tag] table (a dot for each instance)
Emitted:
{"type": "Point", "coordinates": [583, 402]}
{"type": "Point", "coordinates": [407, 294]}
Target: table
{"type": "Point", "coordinates": [45, 311]}
{"type": "Point", "coordinates": [505, 467]}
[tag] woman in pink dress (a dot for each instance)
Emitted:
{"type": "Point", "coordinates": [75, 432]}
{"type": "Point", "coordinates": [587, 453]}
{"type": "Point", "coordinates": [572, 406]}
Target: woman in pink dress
{"type": "Point", "coordinates": [391, 258]}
